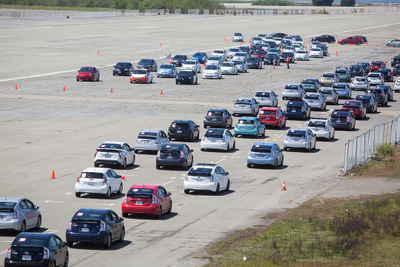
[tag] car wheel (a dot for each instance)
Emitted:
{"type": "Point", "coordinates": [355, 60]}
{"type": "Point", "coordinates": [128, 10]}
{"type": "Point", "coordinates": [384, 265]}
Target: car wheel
{"type": "Point", "coordinates": [53, 263]}
{"type": "Point", "coordinates": [158, 166]}
{"type": "Point", "coordinates": [217, 189]}
{"type": "Point", "coordinates": [282, 161]}
{"type": "Point", "coordinates": [122, 236]}
{"type": "Point", "coordinates": [170, 208]}
{"type": "Point", "coordinates": [70, 243]}
{"type": "Point", "coordinates": [121, 187]}
{"type": "Point", "coordinates": [96, 164]}
{"type": "Point", "coordinates": [388, 45]}
{"type": "Point", "coordinates": [276, 164]}
{"type": "Point", "coordinates": [342, 43]}
{"type": "Point", "coordinates": [23, 227]}
{"type": "Point", "coordinates": [248, 165]}
{"type": "Point", "coordinates": [309, 148]}
{"type": "Point", "coordinates": [151, 81]}
{"type": "Point", "coordinates": [159, 214]}
{"type": "Point", "coordinates": [107, 244]}
{"type": "Point", "coordinates": [123, 165]}
{"type": "Point", "coordinates": [108, 194]}
{"type": "Point", "coordinates": [77, 194]}
{"type": "Point", "coordinates": [186, 191]}
{"type": "Point", "coordinates": [227, 148]}
{"type": "Point", "coordinates": [176, 82]}
{"type": "Point", "coordinates": [39, 222]}
{"type": "Point", "coordinates": [263, 134]}
{"type": "Point", "coordinates": [66, 260]}
{"type": "Point", "coordinates": [228, 185]}
{"type": "Point", "coordinates": [358, 43]}
{"type": "Point", "coordinates": [234, 146]}
{"type": "Point", "coordinates": [125, 214]}
{"type": "Point", "coordinates": [286, 148]}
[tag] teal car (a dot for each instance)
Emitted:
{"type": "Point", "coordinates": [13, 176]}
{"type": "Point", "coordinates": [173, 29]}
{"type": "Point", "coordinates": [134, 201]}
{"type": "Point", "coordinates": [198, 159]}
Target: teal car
{"type": "Point", "coordinates": [249, 126]}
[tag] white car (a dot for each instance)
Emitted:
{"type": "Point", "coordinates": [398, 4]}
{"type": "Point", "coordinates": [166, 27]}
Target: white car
{"type": "Point", "coordinates": [114, 153]}
{"type": "Point", "coordinates": [231, 52]}
{"type": "Point", "coordinates": [298, 44]}
{"type": "Point", "coordinates": [397, 85]}
{"type": "Point", "coordinates": [322, 128]}
{"type": "Point", "coordinates": [237, 37]}
{"type": "Point", "coordinates": [191, 65]}
{"type": "Point", "coordinates": [240, 65]}
{"type": "Point", "coordinates": [98, 181]}
{"type": "Point", "coordinates": [300, 138]}
{"type": "Point", "coordinates": [150, 140]}
{"type": "Point", "coordinates": [221, 53]}
{"type": "Point", "coordinates": [359, 83]}
{"type": "Point", "coordinates": [218, 139]}
{"type": "Point", "coordinates": [278, 41]}
{"type": "Point", "coordinates": [206, 177]}
{"type": "Point", "coordinates": [256, 40]}
{"type": "Point", "coordinates": [240, 56]}
{"type": "Point", "coordinates": [212, 72]}
{"type": "Point", "coordinates": [375, 78]}
{"type": "Point", "coordinates": [316, 52]}
{"type": "Point", "coordinates": [314, 44]}
{"type": "Point", "coordinates": [229, 68]}
{"type": "Point", "coordinates": [301, 55]}
{"type": "Point", "coordinates": [289, 49]}
{"type": "Point", "coordinates": [214, 60]}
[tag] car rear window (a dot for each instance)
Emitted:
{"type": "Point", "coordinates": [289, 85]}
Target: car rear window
{"type": "Point", "coordinates": [169, 147]}
{"type": "Point", "coordinates": [267, 112]}
{"type": "Point", "coordinates": [108, 145]}
{"type": "Point", "coordinates": [241, 121]}
{"type": "Point", "coordinates": [216, 133]}
{"type": "Point", "coordinates": [316, 124]}
{"type": "Point", "coordinates": [147, 135]}
{"type": "Point", "coordinates": [87, 215]}
{"type": "Point", "coordinates": [199, 171]}
{"type": "Point", "coordinates": [7, 206]}
{"type": "Point", "coordinates": [291, 87]}
{"type": "Point", "coordinates": [243, 101]}
{"type": "Point", "coordinates": [352, 103]}
{"type": "Point", "coordinates": [314, 96]}
{"type": "Point", "coordinates": [140, 192]}
{"type": "Point", "coordinates": [261, 148]}
{"type": "Point", "coordinates": [29, 241]}
{"type": "Point", "coordinates": [166, 66]}
{"type": "Point", "coordinates": [296, 133]}
{"type": "Point", "coordinates": [262, 94]}
{"type": "Point", "coordinates": [94, 175]}
{"type": "Point", "coordinates": [182, 126]}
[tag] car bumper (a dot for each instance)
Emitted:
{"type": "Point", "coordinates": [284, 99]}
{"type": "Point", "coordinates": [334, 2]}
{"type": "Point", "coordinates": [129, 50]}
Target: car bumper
{"type": "Point", "coordinates": [11, 225]}
{"type": "Point", "coordinates": [182, 136]}
{"type": "Point", "coordinates": [209, 76]}
{"type": "Point", "coordinates": [152, 147]}
{"type": "Point", "coordinates": [215, 123]}
{"type": "Point", "coordinates": [295, 115]}
{"type": "Point", "coordinates": [107, 162]}
{"type": "Point", "coordinates": [152, 209]}
{"type": "Point", "coordinates": [242, 111]}
{"type": "Point", "coordinates": [295, 144]}
{"type": "Point", "coordinates": [171, 162]}
{"type": "Point", "coordinates": [261, 161]}
{"type": "Point", "coordinates": [291, 96]}
{"type": "Point", "coordinates": [338, 125]}
{"type": "Point", "coordinates": [315, 105]}
{"type": "Point", "coordinates": [100, 237]}
{"type": "Point", "coordinates": [213, 145]}
{"type": "Point", "coordinates": [187, 81]}
{"type": "Point", "coordinates": [246, 132]}
{"type": "Point", "coordinates": [320, 134]}
{"type": "Point", "coordinates": [138, 80]}
{"type": "Point", "coordinates": [44, 263]}
{"type": "Point", "coordinates": [359, 87]}
{"type": "Point", "coordinates": [85, 78]}
{"type": "Point", "coordinates": [199, 186]}
{"type": "Point", "coordinates": [165, 75]}
{"type": "Point", "coordinates": [91, 189]}
{"type": "Point", "coordinates": [125, 73]}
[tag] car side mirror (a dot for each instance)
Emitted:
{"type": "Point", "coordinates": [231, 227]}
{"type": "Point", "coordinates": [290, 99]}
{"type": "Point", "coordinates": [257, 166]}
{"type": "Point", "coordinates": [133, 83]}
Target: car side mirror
{"type": "Point", "coordinates": [197, 125]}
{"type": "Point", "coordinates": [169, 193]}
{"type": "Point", "coordinates": [226, 173]}
{"type": "Point", "coordinates": [191, 150]}
{"type": "Point", "coordinates": [121, 219]}
{"type": "Point", "coordinates": [36, 207]}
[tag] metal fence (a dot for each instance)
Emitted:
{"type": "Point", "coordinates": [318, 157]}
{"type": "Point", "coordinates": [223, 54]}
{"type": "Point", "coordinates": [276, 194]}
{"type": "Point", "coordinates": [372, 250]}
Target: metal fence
{"type": "Point", "coordinates": [361, 148]}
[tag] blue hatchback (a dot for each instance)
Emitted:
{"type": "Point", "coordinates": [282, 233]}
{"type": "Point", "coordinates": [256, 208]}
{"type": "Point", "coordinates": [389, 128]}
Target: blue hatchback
{"type": "Point", "coordinates": [265, 154]}
{"type": "Point", "coordinates": [201, 57]}
{"type": "Point", "coordinates": [100, 226]}
{"type": "Point", "coordinates": [297, 110]}
{"type": "Point", "coordinates": [249, 126]}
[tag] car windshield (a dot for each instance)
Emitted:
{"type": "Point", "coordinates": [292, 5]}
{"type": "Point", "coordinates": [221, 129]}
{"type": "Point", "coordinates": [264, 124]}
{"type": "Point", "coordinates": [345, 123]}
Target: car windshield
{"type": "Point", "coordinates": [199, 171]}
{"type": "Point", "coordinates": [238, 34]}
{"type": "Point", "coordinates": [218, 51]}
{"type": "Point", "coordinates": [339, 86]}
{"type": "Point", "coordinates": [145, 61]}
{"type": "Point", "coordinates": [262, 94]}
{"type": "Point", "coordinates": [315, 49]}
{"type": "Point", "coordinates": [341, 71]}
{"type": "Point", "coordinates": [183, 126]}
{"type": "Point", "coordinates": [360, 79]}
{"type": "Point", "coordinates": [211, 67]}
{"type": "Point", "coordinates": [190, 62]}
{"type": "Point", "coordinates": [312, 96]}
{"type": "Point", "coordinates": [92, 175]}
{"type": "Point", "coordinates": [181, 57]}
{"type": "Point", "coordinates": [238, 62]}
{"type": "Point", "coordinates": [7, 206]}
{"type": "Point", "coordinates": [267, 112]}
{"type": "Point", "coordinates": [140, 192]}
{"type": "Point", "coordinates": [296, 133]}
{"type": "Point", "coordinates": [316, 124]}
{"type": "Point", "coordinates": [108, 145]}
{"type": "Point", "coordinates": [184, 73]}
{"type": "Point", "coordinates": [123, 65]}
{"type": "Point", "coordinates": [375, 75]}
{"type": "Point", "coordinates": [166, 66]}
{"type": "Point", "coordinates": [247, 122]}
{"type": "Point", "coordinates": [87, 215]}
{"type": "Point", "coordinates": [377, 63]}
{"type": "Point", "coordinates": [216, 133]}
{"type": "Point", "coordinates": [227, 64]}
{"type": "Point", "coordinates": [139, 72]}
{"type": "Point", "coordinates": [251, 59]}
{"type": "Point", "coordinates": [261, 148]}
{"type": "Point", "coordinates": [86, 69]}
{"type": "Point", "coordinates": [240, 54]}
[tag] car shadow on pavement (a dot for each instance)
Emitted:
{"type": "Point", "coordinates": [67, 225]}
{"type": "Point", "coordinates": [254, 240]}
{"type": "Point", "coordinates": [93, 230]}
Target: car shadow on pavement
{"type": "Point", "coordinates": [101, 196]}
{"type": "Point", "coordinates": [131, 167]}
{"type": "Point", "coordinates": [151, 217]}
{"type": "Point", "coordinates": [91, 246]}
{"type": "Point", "coordinates": [213, 194]}
{"type": "Point", "coordinates": [269, 167]}
{"type": "Point", "coordinates": [316, 150]}
{"type": "Point", "coordinates": [11, 233]}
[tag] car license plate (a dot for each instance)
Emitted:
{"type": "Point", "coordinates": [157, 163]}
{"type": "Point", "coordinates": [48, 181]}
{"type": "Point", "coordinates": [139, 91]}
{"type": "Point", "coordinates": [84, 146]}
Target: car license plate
{"type": "Point", "coordinates": [26, 257]}
{"type": "Point", "coordinates": [107, 155]}
{"type": "Point", "coordinates": [137, 79]}
{"type": "Point", "coordinates": [293, 110]}
{"type": "Point", "coordinates": [214, 119]}
{"type": "Point", "coordinates": [90, 183]}
{"type": "Point", "coordinates": [178, 131]}
{"type": "Point", "coordinates": [267, 118]}
{"type": "Point", "coordinates": [145, 141]}
{"type": "Point", "coordinates": [169, 157]}
{"type": "Point", "coordinates": [85, 229]}
{"type": "Point", "coordinates": [139, 202]}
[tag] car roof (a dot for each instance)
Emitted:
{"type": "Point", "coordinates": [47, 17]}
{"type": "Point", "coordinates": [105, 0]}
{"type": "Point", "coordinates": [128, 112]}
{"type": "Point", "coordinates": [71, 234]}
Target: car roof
{"type": "Point", "coordinates": [96, 211]}
{"type": "Point", "coordinates": [11, 199]}
{"type": "Point", "coordinates": [182, 121]}
{"type": "Point", "coordinates": [114, 142]}
{"type": "Point", "coordinates": [151, 186]}
{"type": "Point", "coordinates": [263, 144]}
{"type": "Point", "coordinates": [151, 130]}
{"type": "Point", "coordinates": [34, 235]}
{"type": "Point", "coordinates": [95, 169]}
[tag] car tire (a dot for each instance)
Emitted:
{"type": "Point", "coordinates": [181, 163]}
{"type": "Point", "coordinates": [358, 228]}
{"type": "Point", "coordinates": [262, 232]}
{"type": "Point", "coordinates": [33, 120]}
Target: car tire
{"type": "Point", "coordinates": [123, 165]}
{"type": "Point", "coordinates": [263, 134]}
{"type": "Point", "coordinates": [342, 43]}
{"type": "Point", "coordinates": [39, 222]}
{"type": "Point", "coordinates": [107, 244]}
{"type": "Point", "coordinates": [158, 166]}
{"type": "Point", "coordinates": [159, 214]}
{"type": "Point", "coordinates": [96, 165]}
{"type": "Point", "coordinates": [70, 243]}
{"type": "Point", "coordinates": [234, 146]}
{"type": "Point", "coordinates": [186, 191]}
{"type": "Point", "coordinates": [228, 185]}
{"type": "Point", "coordinates": [176, 82]}
{"type": "Point", "coordinates": [248, 165]}
{"type": "Point", "coordinates": [285, 148]}
{"type": "Point", "coordinates": [108, 194]}
{"type": "Point", "coordinates": [170, 208]}
{"type": "Point", "coordinates": [122, 236]}
{"type": "Point", "coordinates": [125, 214]}
{"type": "Point", "coordinates": [309, 148]}
{"type": "Point", "coordinates": [276, 164]}
{"type": "Point", "coordinates": [53, 263]}
{"type": "Point", "coordinates": [121, 187]}
{"type": "Point", "coordinates": [217, 189]}
{"type": "Point", "coordinates": [23, 227]}
{"type": "Point", "coordinates": [77, 194]}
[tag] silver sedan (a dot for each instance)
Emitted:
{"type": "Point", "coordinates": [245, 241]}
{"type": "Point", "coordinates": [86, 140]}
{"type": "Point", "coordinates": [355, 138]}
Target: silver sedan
{"type": "Point", "coordinates": [315, 101]}
{"type": "Point", "coordinates": [359, 83]}
{"type": "Point", "coordinates": [150, 140]}
{"type": "Point", "coordinates": [266, 99]}
{"type": "Point", "coordinates": [241, 65]}
{"type": "Point", "coordinates": [229, 68]}
{"type": "Point", "coordinates": [19, 214]}
{"type": "Point", "coordinates": [330, 95]}
{"type": "Point", "coordinates": [245, 106]}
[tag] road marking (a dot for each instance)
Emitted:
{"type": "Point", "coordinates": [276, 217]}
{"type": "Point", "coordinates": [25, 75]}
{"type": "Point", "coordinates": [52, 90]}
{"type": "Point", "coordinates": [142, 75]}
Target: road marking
{"type": "Point", "coordinates": [55, 202]}
{"type": "Point", "coordinates": [51, 231]}
{"type": "Point", "coordinates": [69, 193]}
{"type": "Point", "coordinates": [167, 182]}
{"type": "Point", "coordinates": [103, 204]}
{"type": "Point", "coordinates": [219, 161]}
{"type": "Point", "coordinates": [236, 155]}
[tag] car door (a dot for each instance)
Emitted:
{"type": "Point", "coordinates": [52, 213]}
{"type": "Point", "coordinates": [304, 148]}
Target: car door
{"type": "Point", "coordinates": [111, 177]}
{"type": "Point", "coordinates": [189, 154]}
{"type": "Point", "coordinates": [60, 249]}
{"type": "Point", "coordinates": [165, 198]}
{"type": "Point", "coordinates": [230, 138]}
{"type": "Point", "coordinates": [228, 117]}
{"type": "Point", "coordinates": [223, 178]}
{"type": "Point", "coordinates": [117, 225]}
{"type": "Point", "coordinates": [27, 211]}
{"type": "Point", "coordinates": [129, 153]}
{"type": "Point", "coordinates": [160, 195]}
{"type": "Point", "coordinates": [33, 212]}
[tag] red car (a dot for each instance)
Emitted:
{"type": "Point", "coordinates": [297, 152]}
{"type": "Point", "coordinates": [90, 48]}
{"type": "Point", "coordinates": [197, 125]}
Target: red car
{"type": "Point", "coordinates": [357, 107]}
{"type": "Point", "coordinates": [353, 40]}
{"type": "Point", "coordinates": [377, 64]}
{"type": "Point", "coordinates": [272, 116]}
{"type": "Point", "coordinates": [260, 53]}
{"type": "Point", "coordinates": [147, 199]}
{"type": "Point", "coordinates": [141, 76]}
{"type": "Point", "coordinates": [88, 74]}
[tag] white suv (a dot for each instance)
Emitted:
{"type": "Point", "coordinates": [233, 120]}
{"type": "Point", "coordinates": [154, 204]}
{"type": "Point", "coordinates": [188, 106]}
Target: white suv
{"type": "Point", "coordinates": [98, 181]}
{"type": "Point", "coordinates": [114, 153]}
{"type": "Point", "coordinates": [206, 177]}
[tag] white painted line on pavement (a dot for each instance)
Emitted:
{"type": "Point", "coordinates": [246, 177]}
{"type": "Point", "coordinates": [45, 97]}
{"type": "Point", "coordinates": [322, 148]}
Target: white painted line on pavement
{"type": "Point", "coordinates": [55, 202]}
{"type": "Point", "coordinates": [3, 252]}
{"type": "Point", "coordinates": [103, 204]}
{"type": "Point", "coordinates": [219, 161]}
{"type": "Point", "coordinates": [167, 182]}
{"type": "Point", "coordinates": [236, 155]}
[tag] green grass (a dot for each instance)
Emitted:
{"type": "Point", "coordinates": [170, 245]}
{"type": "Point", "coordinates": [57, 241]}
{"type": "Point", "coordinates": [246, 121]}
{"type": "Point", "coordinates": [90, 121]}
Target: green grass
{"type": "Point", "coordinates": [333, 232]}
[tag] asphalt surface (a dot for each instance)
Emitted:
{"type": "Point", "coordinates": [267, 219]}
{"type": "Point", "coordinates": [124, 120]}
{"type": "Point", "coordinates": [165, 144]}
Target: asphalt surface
{"type": "Point", "coordinates": [43, 128]}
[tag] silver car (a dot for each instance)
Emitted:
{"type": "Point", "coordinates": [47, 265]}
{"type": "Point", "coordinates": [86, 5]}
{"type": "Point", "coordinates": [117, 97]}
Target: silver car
{"type": "Point", "coordinates": [359, 83]}
{"type": "Point", "coordinates": [240, 56]}
{"type": "Point", "coordinates": [315, 100]}
{"type": "Point", "coordinates": [322, 128]}
{"type": "Point", "coordinates": [342, 89]}
{"type": "Point", "coordinates": [245, 106]}
{"type": "Point", "coordinates": [266, 99]}
{"type": "Point", "coordinates": [330, 95]}
{"type": "Point", "coordinates": [328, 78]}
{"type": "Point", "coordinates": [375, 78]}
{"type": "Point", "coordinates": [221, 53]}
{"type": "Point", "coordinates": [215, 60]}
{"type": "Point", "coordinates": [114, 153]}
{"type": "Point", "coordinates": [218, 139]}
{"type": "Point", "coordinates": [393, 43]}
{"type": "Point", "coordinates": [191, 65]}
{"type": "Point", "coordinates": [397, 85]}
{"type": "Point", "coordinates": [241, 65]}
{"type": "Point", "coordinates": [232, 52]}
{"type": "Point", "coordinates": [19, 214]}
{"type": "Point", "coordinates": [237, 37]}
{"type": "Point", "coordinates": [301, 55]}
{"type": "Point", "coordinates": [212, 72]}
{"type": "Point", "coordinates": [150, 140]}
{"type": "Point", "coordinates": [293, 91]}
{"type": "Point", "coordinates": [300, 138]}
{"type": "Point", "coordinates": [229, 68]}
{"type": "Point", "coordinates": [265, 154]}
{"type": "Point", "coordinates": [167, 70]}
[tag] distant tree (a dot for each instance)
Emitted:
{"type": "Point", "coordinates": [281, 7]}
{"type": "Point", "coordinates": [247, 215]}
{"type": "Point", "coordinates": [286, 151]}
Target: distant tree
{"type": "Point", "coordinates": [347, 2]}
{"type": "Point", "coordinates": [322, 2]}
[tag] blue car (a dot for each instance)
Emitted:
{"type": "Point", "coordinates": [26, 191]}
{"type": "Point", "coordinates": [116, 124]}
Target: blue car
{"type": "Point", "coordinates": [201, 57]}
{"type": "Point", "coordinates": [265, 154]}
{"type": "Point", "coordinates": [250, 126]}
{"type": "Point", "coordinates": [297, 110]}
{"type": "Point", "coordinates": [167, 70]}
{"type": "Point", "coordinates": [100, 226]}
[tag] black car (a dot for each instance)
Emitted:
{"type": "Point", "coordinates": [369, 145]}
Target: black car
{"type": "Point", "coordinates": [174, 155]}
{"type": "Point", "coordinates": [366, 66]}
{"type": "Point", "coordinates": [146, 63]}
{"type": "Point", "coordinates": [218, 118]}
{"type": "Point", "coordinates": [325, 38]}
{"type": "Point", "coordinates": [278, 34]}
{"type": "Point", "coordinates": [369, 102]}
{"type": "Point", "coordinates": [254, 63]}
{"type": "Point", "coordinates": [186, 76]}
{"type": "Point", "coordinates": [395, 60]}
{"type": "Point", "coordinates": [387, 74]}
{"type": "Point", "coordinates": [255, 48]}
{"type": "Point", "coordinates": [177, 60]}
{"type": "Point", "coordinates": [271, 44]}
{"type": "Point", "coordinates": [284, 56]}
{"type": "Point", "coordinates": [297, 110]}
{"type": "Point", "coordinates": [269, 59]}
{"type": "Point", "coordinates": [388, 90]}
{"type": "Point", "coordinates": [99, 226]}
{"type": "Point", "coordinates": [37, 249]}
{"type": "Point", "coordinates": [356, 70]}
{"type": "Point", "coordinates": [396, 70]}
{"type": "Point", "coordinates": [244, 49]}
{"type": "Point", "coordinates": [324, 48]}
{"type": "Point", "coordinates": [285, 43]}
{"type": "Point", "coordinates": [184, 130]}
{"type": "Point", "coordinates": [380, 96]}
{"type": "Point", "coordinates": [123, 68]}
{"type": "Point", "coordinates": [343, 119]}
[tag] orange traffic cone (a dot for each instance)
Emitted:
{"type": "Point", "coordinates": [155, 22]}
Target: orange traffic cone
{"type": "Point", "coordinates": [204, 64]}
{"type": "Point", "coordinates": [123, 177]}
{"type": "Point", "coordinates": [376, 45]}
{"type": "Point", "coordinates": [98, 52]}
{"type": "Point", "coordinates": [160, 44]}
{"type": "Point", "coordinates": [284, 186]}
{"type": "Point", "coordinates": [337, 53]}
{"type": "Point", "coordinates": [366, 43]}
{"type": "Point", "coordinates": [224, 39]}
{"type": "Point", "coordinates": [240, 43]}
{"type": "Point", "coordinates": [111, 91]}
{"type": "Point", "coordinates": [161, 92]}
{"type": "Point", "coordinates": [273, 67]}
{"type": "Point", "coordinates": [53, 175]}
{"type": "Point", "coordinates": [16, 87]}
{"type": "Point", "coordinates": [64, 88]}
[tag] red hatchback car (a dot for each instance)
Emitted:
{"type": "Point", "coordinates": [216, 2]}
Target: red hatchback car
{"type": "Point", "coordinates": [357, 40]}
{"type": "Point", "coordinates": [357, 107]}
{"type": "Point", "coordinates": [147, 199]}
{"type": "Point", "coordinates": [272, 116]}
{"type": "Point", "coordinates": [377, 64]}
{"type": "Point", "coordinates": [88, 74]}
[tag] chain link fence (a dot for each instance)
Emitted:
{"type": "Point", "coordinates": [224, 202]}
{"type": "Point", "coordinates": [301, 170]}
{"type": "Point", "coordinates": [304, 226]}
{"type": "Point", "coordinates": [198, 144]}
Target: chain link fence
{"type": "Point", "coordinates": [362, 147]}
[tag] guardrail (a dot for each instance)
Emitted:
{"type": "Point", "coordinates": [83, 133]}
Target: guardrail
{"type": "Point", "coordinates": [362, 147]}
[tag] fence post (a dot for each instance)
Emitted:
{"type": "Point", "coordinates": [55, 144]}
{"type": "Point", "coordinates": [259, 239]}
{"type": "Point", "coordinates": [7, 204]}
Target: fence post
{"type": "Point", "coordinates": [346, 156]}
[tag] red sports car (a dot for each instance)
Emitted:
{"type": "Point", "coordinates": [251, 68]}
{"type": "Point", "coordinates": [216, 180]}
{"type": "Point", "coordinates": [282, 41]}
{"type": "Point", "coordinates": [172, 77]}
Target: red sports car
{"type": "Point", "coordinates": [357, 107]}
{"type": "Point", "coordinates": [377, 64]}
{"type": "Point", "coordinates": [88, 74]}
{"type": "Point", "coordinates": [357, 40]}
{"type": "Point", "coordinates": [147, 199]}
{"type": "Point", "coordinates": [272, 116]}
{"type": "Point", "coordinates": [141, 76]}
